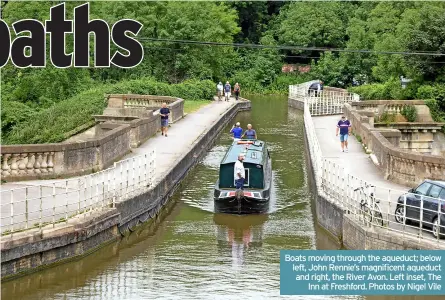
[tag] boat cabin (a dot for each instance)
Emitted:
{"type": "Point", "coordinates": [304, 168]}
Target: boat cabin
{"type": "Point", "coordinates": [256, 160]}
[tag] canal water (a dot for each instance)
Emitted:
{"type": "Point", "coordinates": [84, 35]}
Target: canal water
{"type": "Point", "coordinates": [189, 252]}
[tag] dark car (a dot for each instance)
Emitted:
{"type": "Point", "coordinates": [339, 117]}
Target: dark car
{"type": "Point", "coordinates": [426, 197]}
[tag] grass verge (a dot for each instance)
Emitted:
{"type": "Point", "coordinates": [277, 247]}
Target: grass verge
{"type": "Point", "coordinates": [193, 105]}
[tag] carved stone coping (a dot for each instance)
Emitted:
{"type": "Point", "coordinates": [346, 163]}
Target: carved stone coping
{"type": "Point", "coordinates": [413, 125]}
{"type": "Point", "coordinates": [58, 147]}
{"type": "Point", "coordinates": [388, 102]}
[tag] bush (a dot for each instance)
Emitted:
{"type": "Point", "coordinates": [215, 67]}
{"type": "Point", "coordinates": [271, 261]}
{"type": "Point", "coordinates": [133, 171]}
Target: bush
{"type": "Point", "coordinates": [390, 90]}
{"type": "Point", "coordinates": [14, 113]}
{"type": "Point", "coordinates": [436, 113]}
{"type": "Point", "coordinates": [375, 91]}
{"type": "Point", "coordinates": [50, 125]}
{"type": "Point", "coordinates": [387, 118]}
{"type": "Point", "coordinates": [409, 112]}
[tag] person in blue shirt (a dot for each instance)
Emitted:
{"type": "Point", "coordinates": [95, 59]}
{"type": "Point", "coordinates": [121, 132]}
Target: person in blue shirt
{"type": "Point", "coordinates": [344, 126]}
{"type": "Point", "coordinates": [227, 90]}
{"type": "Point", "coordinates": [164, 112]}
{"type": "Point", "coordinates": [250, 133]}
{"type": "Point", "coordinates": [237, 131]}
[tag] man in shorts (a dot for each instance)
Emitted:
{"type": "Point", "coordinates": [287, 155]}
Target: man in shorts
{"type": "Point", "coordinates": [344, 126]}
{"type": "Point", "coordinates": [164, 112]}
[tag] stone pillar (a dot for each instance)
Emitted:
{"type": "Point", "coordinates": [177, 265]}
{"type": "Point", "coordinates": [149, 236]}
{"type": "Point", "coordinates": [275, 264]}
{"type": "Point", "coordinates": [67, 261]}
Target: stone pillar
{"type": "Point", "coordinates": [5, 166]}
{"type": "Point", "coordinates": [37, 163]}
{"type": "Point", "coordinates": [30, 164]}
{"type": "Point", "coordinates": [14, 166]}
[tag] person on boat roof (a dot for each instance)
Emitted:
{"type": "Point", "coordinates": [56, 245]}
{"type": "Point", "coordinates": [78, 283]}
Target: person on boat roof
{"type": "Point", "coordinates": [239, 172]}
{"type": "Point", "coordinates": [237, 131]}
{"type": "Point", "coordinates": [250, 133]}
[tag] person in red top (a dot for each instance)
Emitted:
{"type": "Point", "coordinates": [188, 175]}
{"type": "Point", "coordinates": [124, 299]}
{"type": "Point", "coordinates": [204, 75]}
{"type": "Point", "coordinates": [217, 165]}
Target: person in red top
{"type": "Point", "coordinates": [236, 90]}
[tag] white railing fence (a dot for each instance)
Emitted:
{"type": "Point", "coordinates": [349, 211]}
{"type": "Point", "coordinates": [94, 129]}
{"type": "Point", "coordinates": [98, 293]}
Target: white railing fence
{"type": "Point", "coordinates": [323, 103]}
{"type": "Point", "coordinates": [410, 214]}
{"type": "Point", "coordinates": [36, 206]}
{"type": "Point", "coordinates": [392, 210]}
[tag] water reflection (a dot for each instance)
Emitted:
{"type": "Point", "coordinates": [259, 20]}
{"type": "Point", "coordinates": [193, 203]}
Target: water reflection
{"type": "Point", "coordinates": [239, 235]}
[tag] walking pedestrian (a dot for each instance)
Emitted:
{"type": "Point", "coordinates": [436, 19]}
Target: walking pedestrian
{"type": "Point", "coordinates": [164, 112]}
{"type": "Point", "coordinates": [236, 90]}
{"type": "Point", "coordinates": [250, 133]}
{"type": "Point", "coordinates": [240, 173]}
{"type": "Point", "coordinates": [227, 90]}
{"type": "Point", "coordinates": [237, 131]}
{"type": "Point", "coordinates": [220, 88]}
{"type": "Point", "coordinates": [344, 126]}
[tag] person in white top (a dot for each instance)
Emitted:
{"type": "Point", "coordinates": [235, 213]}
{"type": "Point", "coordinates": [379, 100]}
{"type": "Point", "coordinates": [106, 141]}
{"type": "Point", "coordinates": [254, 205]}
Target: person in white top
{"type": "Point", "coordinates": [220, 88]}
{"type": "Point", "coordinates": [239, 173]}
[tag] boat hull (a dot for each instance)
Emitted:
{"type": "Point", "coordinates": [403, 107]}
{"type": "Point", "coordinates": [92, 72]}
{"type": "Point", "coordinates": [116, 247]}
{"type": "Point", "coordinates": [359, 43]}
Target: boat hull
{"type": "Point", "coordinates": [242, 204]}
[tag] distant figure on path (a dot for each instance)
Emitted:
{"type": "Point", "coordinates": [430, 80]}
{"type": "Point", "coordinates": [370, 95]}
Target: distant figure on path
{"type": "Point", "coordinates": [316, 88]}
{"type": "Point", "coordinates": [164, 112]}
{"type": "Point", "coordinates": [237, 131]}
{"type": "Point", "coordinates": [219, 89]}
{"type": "Point", "coordinates": [236, 90]}
{"type": "Point", "coordinates": [345, 130]}
{"type": "Point", "coordinates": [250, 133]}
{"type": "Point", "coordinates": [239, 175]}
{"type": "Point", "coordinates": [227, 90]}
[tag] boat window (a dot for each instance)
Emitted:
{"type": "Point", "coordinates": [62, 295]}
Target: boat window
{"type": "Point", "coordinates": [254, 154]}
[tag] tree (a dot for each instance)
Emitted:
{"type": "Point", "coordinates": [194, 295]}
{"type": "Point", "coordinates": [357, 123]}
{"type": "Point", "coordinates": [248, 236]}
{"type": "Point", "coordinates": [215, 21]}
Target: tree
{"type": "Point", "coordinates": [314, 24]}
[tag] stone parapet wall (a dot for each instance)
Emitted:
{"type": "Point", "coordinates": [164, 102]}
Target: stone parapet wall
{"type": "Point", "coordinates": [399, 165]}
{"type": "Point", "coordinates": [45, 161]}
{"type": "Point", "coordinates": [136, 104]}
{"type": "Point", "coordinates": [395, 107]}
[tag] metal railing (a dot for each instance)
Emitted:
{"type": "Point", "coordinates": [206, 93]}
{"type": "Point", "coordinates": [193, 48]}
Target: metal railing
{"type": "Point", "coordinates": [36, 206]}
{"type": "Point", "coordinates": [324, 102]}
{"type": "Point", "coordinates": [409, 214]}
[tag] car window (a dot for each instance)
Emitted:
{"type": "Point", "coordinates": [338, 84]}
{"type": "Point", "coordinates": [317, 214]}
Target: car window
{"type": "Point", "coordinates": [423, 188]}
{"type": "Point", "coordinates": [434, 191]}
{"type": "Point", "coordinates": [442, 194]}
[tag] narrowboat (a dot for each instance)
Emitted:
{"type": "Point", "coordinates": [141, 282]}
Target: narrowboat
{"type": "Point", "coordinates": [258, 179]}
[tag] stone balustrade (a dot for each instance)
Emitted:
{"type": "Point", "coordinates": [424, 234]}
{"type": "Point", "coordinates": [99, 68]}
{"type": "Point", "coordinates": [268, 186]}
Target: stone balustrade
{"type": "Point", "coordinates": [118, 104]}
{"type": "Point", "coordinates": [394, 107]}
{"type": "Point", "coordinates": [47, 161]}
{"type": "Point", "coordinates": [390, 152]}
{"type": "Point", "coordinates": [18, 164]}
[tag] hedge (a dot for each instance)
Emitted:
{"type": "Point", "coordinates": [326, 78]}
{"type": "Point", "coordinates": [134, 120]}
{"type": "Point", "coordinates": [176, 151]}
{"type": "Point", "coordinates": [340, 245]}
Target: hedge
{"type": "Point", "coordinates": [51, 125]}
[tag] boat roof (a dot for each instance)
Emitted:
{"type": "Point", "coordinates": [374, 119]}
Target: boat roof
{"type": "Point", "coordinates": [255, 153]}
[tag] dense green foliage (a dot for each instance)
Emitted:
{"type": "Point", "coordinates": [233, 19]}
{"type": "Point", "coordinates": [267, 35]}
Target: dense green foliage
{"type": "Point", "coordinates": [51, 125]}
{"type": "Point", "coordinates": [308, 27]}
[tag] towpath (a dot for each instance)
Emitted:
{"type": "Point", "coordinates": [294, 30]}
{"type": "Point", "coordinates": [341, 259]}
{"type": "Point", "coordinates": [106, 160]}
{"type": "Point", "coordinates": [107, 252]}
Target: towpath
{"type": "Point", "coordinates": [181, 136]}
